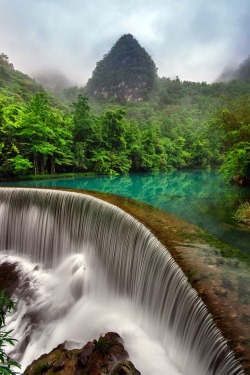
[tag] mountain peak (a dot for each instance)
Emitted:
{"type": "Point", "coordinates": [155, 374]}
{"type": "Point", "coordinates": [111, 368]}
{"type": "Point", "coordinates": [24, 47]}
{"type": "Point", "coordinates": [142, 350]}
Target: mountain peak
{"type": "Point", "coordinates": [126, 72]}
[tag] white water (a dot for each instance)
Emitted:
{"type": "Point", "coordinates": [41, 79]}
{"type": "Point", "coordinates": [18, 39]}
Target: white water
{"type": "Point", "coordinates": [103, 271]}
{"type": "Point", "coordinates": [62, 318]}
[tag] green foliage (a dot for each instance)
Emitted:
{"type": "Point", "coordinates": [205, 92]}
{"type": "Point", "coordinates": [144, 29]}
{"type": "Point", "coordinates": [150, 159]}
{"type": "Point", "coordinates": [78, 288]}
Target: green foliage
{"type": "Point", "coordinates": [234, 125]}
{"type": "Point", "coordinates": [161, 125]}
{"type": "Point", "coordinates": [237, 161]}
{"type": "Point", "coordinates": [15, 83]}
{"type": "Point", "coordinates": [21, 165]}
{"type": "Point", "coordinates": [40, 138]}
{"type": "Point", "coordinates": [113, 126]}
{"type": "Point", "coordinates": [6, 363]}
{"type": "Point", "coordinates": [34, 136]}
{"type": "Point", "coordinates": [86, 134]}
{"type": "Point", "coordinates": [242, 214]}
{"type": "Point", "coordinates": [103, 345]}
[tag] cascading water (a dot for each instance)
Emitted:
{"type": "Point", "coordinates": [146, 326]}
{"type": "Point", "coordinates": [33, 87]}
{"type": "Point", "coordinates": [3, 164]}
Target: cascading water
{"type": "Point", "coordinates": [99, 270]}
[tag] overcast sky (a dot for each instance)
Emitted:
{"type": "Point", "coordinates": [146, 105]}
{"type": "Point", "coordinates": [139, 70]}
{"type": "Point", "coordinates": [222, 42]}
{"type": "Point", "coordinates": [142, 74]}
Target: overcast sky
{"type": "Point", "coordinates": [194, 39]}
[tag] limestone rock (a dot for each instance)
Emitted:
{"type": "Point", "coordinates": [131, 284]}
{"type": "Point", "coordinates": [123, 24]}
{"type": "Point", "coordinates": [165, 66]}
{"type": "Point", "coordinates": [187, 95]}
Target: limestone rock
{"type": "Point", "coordinates": [125, 368]}
{"type": "Point", "coordinates": [105, 356]}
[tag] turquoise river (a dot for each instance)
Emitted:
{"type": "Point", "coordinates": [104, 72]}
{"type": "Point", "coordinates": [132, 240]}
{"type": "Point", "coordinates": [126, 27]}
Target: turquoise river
{"type": "Point", "coordinates": [200, 197]}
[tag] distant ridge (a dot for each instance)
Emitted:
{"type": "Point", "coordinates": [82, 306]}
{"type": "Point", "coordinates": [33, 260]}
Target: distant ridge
{"type": "Point", "coordinates": [126, 72]}
{"type": "Point", "coordinates": [13, 82]}
{"type": "Point", "coordinates": [242, 73]}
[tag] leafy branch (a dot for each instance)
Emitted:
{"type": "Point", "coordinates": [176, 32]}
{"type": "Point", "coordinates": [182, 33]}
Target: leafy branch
{"type": "Point", "coordinates": [6, 363]}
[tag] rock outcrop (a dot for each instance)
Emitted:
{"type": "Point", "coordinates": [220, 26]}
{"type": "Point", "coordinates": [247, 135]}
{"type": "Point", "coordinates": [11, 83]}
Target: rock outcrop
{"type": "Point", "coordinates": [105, 356]}
{"type": "Point", "coordinates": [126, 72]}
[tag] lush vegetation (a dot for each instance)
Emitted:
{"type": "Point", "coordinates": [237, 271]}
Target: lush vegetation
{"type": "Point", "coordinates": [37, 137]}
{"type": "Point", "coordinates": [7, 365]}
{"type": "Point", "coordinates": [15, 83]}
{"type": "Point", "coordinates": [242, 214]}
{"type": "Point", "coordinates": [233, 123]}
{"type": "Point", "coordinates": [34, 137]}
{"type": "Point", "coordinates": [182, 124]}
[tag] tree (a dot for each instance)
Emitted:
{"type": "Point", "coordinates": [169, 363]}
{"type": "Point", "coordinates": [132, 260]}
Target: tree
{"type": "Point", "coordinates": [44, 136]}
{"type": "Point", "coordinates": [62, 142]}
{"type": "Point", "coordinates": [112, 155]}
{"type": "Point", "coordinates": [113, 128]}
{"type": "Point", "coordinates": [234, 124]}
{"type": "Point", "coordinates": [4, 60]}
{"type": "Point", "coordinates": [154, 157]}
{"type": "Point", "coordinates": [86, 134]}
{"type": "Point", "coordinates": [237, 163]}
{"type": "Point", "coordinates": [12, 161]}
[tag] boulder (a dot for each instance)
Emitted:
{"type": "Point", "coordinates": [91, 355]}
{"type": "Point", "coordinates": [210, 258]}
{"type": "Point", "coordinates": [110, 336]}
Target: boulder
{"type": "Point", "coordinates": [125, 368]}
{"type": "Point", "coordinates": [106, 355]}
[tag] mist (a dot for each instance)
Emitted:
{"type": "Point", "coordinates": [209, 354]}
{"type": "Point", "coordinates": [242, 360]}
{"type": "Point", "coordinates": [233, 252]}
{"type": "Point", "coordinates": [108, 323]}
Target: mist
{"type": "Point", "coordinates": [193, 39]}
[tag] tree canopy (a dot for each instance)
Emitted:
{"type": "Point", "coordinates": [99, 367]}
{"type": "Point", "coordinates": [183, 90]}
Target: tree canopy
{"type": "Point", "coordinates": [180, 124]}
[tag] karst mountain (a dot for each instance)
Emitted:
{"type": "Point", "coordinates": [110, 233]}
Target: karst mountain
{"type": "Point", "coordinates": [126, 72]}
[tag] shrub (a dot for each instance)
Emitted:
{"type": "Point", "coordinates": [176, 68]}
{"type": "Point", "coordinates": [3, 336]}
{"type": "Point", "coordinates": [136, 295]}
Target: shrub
{"type": "Point", "coordinates": [243, 213]}
{"type": "Point", "coordinates": [6, 363]}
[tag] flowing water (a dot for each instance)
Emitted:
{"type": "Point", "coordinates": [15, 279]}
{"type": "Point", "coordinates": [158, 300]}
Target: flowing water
{"type": "Point", "coordinates": [88, 268]}
{"type": "Point", "coordinates": [200, 197]}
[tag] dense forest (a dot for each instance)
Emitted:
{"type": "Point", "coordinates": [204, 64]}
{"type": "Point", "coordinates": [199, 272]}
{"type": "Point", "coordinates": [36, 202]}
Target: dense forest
{"type": "Point", "coordinates": [172, 124]}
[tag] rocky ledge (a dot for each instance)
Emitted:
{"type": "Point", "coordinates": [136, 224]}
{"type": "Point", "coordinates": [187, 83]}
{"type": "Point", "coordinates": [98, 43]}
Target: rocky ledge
{"type": "Point", "coordinates": [105, 356]}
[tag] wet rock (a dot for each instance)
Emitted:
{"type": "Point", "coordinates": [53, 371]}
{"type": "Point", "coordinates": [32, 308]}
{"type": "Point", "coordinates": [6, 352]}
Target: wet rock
{"type": "Point", "coordinates": [108, 350]}
{"type": "Point", "coordinates": [125, 368]}
{"type": "Point", "coordinates": [58, 361]}
{"type": "Point", "coordinates": [106, 355]}
{"type": "Point", "coordinates": [86, 352]}
{"type": "Point", "coordinates": [9, 277]}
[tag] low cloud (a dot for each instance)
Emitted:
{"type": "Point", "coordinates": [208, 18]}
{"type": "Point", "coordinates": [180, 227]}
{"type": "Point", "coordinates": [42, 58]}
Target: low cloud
{"type": "Point", "coordinates": [193, 39]}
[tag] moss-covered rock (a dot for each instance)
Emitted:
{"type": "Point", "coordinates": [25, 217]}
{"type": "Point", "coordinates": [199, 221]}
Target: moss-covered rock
{"type": "Point", "coordinates": [98, 357]}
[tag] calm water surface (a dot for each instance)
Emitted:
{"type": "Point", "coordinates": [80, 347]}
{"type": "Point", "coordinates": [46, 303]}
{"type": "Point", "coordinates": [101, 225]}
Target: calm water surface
{"type": "Point", "coordinates": [200, 197]}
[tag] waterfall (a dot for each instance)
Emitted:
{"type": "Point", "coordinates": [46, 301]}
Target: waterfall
{"type": "Point", "coordinates": [92, 256]}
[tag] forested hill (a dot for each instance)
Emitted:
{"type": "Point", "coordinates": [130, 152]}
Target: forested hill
{"type": "Point", "coordinates": [127, 71]}
{"type": "Point", "coordinates": [242, 73]}
{"type": "Point", "coordinates": [13, 82]}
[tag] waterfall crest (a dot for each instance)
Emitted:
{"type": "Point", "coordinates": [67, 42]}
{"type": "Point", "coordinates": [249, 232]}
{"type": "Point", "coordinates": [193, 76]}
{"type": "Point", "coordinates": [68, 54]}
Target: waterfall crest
{"type": "Point", "coordinates": [125, 261]}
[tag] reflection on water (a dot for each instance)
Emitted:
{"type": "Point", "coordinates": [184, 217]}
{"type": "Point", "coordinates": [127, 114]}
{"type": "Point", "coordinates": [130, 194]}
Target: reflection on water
{"type": "Point", "coordinates": [224, 285]}
{"type": "Point", "coordinates": [200, 197]}
{"type": "Point", "coordinates": [230, 275]}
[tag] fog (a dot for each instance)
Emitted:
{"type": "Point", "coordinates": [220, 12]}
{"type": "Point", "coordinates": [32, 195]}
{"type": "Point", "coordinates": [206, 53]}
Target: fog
{"type": "Point", "coordinates": [193, 39]}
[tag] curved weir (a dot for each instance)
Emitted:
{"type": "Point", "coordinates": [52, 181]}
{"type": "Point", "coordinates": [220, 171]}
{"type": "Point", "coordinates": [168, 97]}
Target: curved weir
{"type": "Point", "coordinates": [98, 254]}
